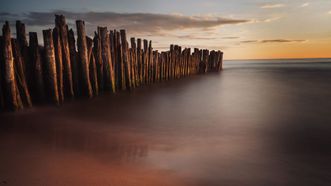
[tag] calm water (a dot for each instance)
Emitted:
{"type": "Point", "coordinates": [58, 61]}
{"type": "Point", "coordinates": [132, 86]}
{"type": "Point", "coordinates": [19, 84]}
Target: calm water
{"type": "Point", "coordinates": [255, 123]}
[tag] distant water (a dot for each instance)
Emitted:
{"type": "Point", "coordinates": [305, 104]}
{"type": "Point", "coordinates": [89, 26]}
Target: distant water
{"type": "Point", "coordinates": [263, 122]}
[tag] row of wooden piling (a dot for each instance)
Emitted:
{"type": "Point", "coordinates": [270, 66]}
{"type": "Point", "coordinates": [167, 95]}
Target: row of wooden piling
{"type": "Point", "coordinates": [65, 68]}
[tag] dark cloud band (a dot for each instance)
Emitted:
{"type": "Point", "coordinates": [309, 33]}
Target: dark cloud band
{"type": "Point", "coordinates": [133, 22]}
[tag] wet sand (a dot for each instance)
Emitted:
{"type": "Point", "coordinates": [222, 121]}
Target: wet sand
{"type": "Point", "coordinates": [252, 124]}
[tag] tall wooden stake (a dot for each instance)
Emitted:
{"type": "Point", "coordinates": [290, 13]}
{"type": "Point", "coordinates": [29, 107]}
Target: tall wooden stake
{"type": "Point", "coordinates": [98, 60]}
{"type": "Point", "coordinates": [60, 23]}
{"type": "Point", "coordinates": [59, 64]}
{"type": "Point", "coordinates": [83, 58]}
{"type": "Point", "coordinates": [38, 88]}
{"type": "Point", "coordinates": [50, 64]}
{"type": "Point", "coordinates": [20, 76]}
{"type": "Point", "coordinates": [106, 58]}
{"type": "Point", "coordinates": [126, 62]}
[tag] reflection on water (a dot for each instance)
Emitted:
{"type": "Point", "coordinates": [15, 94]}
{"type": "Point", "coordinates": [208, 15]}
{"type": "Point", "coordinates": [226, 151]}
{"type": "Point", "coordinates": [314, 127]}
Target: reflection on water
{"type": "Point", "coordinates": [256, 123]}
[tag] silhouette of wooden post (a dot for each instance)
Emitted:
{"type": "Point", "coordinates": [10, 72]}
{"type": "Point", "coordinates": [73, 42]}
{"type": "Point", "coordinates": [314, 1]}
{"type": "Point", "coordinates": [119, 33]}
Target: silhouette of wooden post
{"type": "Point", "coordinates": [112, 46]}
{"type": "Point", "coordinates": [149, 63]}
{"type": "Point", "coordinates": [62, 27]}
{"type": "Point", "coordinates": [83, 58]}
{"type": "Point", "coordinates": [155, 66]}
{"type": "Point", "coordinates": [162, 65]}
{"type": "Point", "coordinates": [50, 64]}
{"type": "Point", "coordinates": [12, 96]}
{"type": "Point", "coordinates": [92, 67]}
{"type": "Point", "coordinates": [38, 88]}
{"type": "Point", "coordinates": [98, 60]}
{"type": "Point", "coordinates": [22, 45]}
{"type": "Point", "coordinates": [75, 67]}
{"type": "Point", "coordinates": [109, 76]}
{"type": "Point", "coordinates": [145, 61]}
{"type": "Point", "coordinates": [20, 76]}
{"type": "Point", "coordinates": [204, 62]}
{"type": "Point", "coordinates": [139, 61]}
{"type": "Point", "coordinates": [126, 62]}
{"type": "Point", "coordinates": [120, 75]}
{"type": "Point", "coordinates": [2, 73]}
{"type": "Point", "coordinates": [134, 67]}
{"type": "Point", "coordinates": [220, 62]}
{"type": "Point", "coordinates": [59, 64]}
{"type": "Point", "coordinates": [172, 61]}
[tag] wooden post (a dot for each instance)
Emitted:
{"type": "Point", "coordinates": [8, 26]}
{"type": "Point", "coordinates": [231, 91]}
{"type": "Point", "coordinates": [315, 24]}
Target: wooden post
{"type": "Point", "coordinates": [127, 66]}
{"type": "Point", "coordinates": [134, 67]}
{"type": "Point", "coordinates": [155, 66]}
{"type": "Point", "coordinates": [38, 88]}
{"type": "Point", "coordinates": [92, 67]}
{"type": "Point", "coordinates": [59, 64]}
{"type": "Point", "coordinates": [112, 51]}
{"type": "Point", "coordinates": [11, 92]}
{"type": "Point", "coordinates": [150, 62]}
{"type": "Point", "coordinates": [50, 64]}
{"type": "Point", "coordinates": [172, 62]}
{"type": "Point", "coordinates": [20, 76]}
{"type": "Point", "coordinates": [83, 58]}
{"type": "Point", "coordinates": [139, 61]}
{"type": "Point", "coordinates": [106, 58]}
{"type": "Point", "coordinates": [119, 66]}
{"type": "Point", "coordinates": [204, 62]}
{"type": "Point", "coordinates": [2, 77]}
{"type": "Point", "coordinates": [22, 45]}
{"type": "Point", "coordinates": [162, 64]}
{"type": "Point", "coordinates": [75, 67]}
{"type": "Point", "coordinates": [145, 61]}
{"type": "Point", "coordinates": [98, 60]}
{"type": "Point", "coordinates": [220, 62]}
{"type": "Point", "coordinates": [62, 28]}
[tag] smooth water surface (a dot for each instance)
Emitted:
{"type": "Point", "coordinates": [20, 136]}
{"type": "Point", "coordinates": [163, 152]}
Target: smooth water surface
{"type": "Point", "coordinates": [255, 123]}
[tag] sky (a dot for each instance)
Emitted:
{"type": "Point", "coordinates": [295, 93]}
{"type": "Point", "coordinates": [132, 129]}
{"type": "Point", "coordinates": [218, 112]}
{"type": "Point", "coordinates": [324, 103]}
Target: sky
{"type": "Point", "coordinates": [242, 29]}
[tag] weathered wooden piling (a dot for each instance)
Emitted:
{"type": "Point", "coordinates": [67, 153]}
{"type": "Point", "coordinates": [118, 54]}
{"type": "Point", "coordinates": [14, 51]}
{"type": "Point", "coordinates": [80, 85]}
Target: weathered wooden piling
{"type": "Point", "coordinates": [50, 64]}
{"type": "Point", "coordinates": [134, 62]}
{"type": "Point", "coordinates": [220, 61]}
{"type": "Point", "coordinates": [75, 67]}
{"type": "Point", "coordinates": [22, 45]}
{"type": "Point", "coordinates": [98, 60]}
{"type": "Point", "coordinates": [83, 58]}
{"type": "Point", "coordinates": [145, 61]}
{"type": "Point", "coordinates": [11, 91]}
{"type": "Point", "coordinates": [127, 67]}
{"type": "Point", "coordinates": [62, 28]}
{"type": "Point", "coordinates": [139, 61]}
{"type": "Point", "coordinates": [150, 62]}
{"type": "Point", "coordinates": [109, 76]}
{"type": "Point", "coordinates": [58, 61]}
{"type": "Point", "coordinates": [92, 67]}
{"type": "Point", "coordinates": [37, 88]}
{"type": "Point", "coordinates": [2, 100]}
{"type": "Point", "coordinates": [119, 66]}
{"type": "Point", "coordinates": [20, 75]}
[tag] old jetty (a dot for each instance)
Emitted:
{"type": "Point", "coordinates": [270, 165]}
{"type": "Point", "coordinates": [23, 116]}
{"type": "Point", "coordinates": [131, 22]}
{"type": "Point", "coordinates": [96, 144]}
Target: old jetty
{"type": "Point", "coordinates": [70, 66]}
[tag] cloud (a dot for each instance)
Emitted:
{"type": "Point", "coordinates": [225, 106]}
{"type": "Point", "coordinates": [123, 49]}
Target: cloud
{"type": "Point", "coordinates": [329, 12]}
{"type": "Point", "coordinates": [249, 41]}
{"type": "Point", "coordinates": [266, 20]}
{"type": "Point", "coordinates": [274, 41]}
{"type": "Point", "coordinates": [133, 22]}
{"type": "Point", "coordinates": [282, 41]}
{"type": "Point", "coordinates": [305, 4]}
{"type": "Point", "coordinates": [195, 37]}
{"type": "Point", "coordinates": [231, 37]}
{"type": "Point", "coordinates": [274, 5]}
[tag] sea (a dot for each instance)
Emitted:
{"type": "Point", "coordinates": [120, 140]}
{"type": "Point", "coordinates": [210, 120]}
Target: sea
{"type": "Point", "coordinates": [258, 122]}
